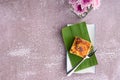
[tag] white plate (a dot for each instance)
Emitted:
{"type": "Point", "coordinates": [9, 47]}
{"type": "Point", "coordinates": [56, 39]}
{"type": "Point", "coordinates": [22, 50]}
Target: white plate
{"type": "Point", "coordinates": [91, 31]}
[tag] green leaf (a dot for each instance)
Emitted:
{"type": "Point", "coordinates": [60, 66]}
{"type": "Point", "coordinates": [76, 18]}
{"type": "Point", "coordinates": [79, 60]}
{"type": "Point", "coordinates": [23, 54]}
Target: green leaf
{"type": "Point", "coordinates": [68, 34]}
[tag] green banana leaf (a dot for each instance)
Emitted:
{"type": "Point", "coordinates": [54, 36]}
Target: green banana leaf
{"type": "Point", "coordinates": [68, 34]}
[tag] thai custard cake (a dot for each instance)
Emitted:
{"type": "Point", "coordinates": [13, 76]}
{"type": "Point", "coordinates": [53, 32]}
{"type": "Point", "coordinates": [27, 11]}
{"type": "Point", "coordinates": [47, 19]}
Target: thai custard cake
{"type": "Point", "coordinates": [80, 47]}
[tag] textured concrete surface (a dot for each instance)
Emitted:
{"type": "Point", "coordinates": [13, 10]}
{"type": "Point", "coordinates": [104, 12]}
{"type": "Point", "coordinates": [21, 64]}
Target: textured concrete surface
{"type": "Point", "coordinates": [31, 46]}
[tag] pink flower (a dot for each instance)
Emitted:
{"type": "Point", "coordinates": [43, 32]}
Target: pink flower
{"type": "Point", "coordinates": [82, 6]}
{"type": "Point", "coordinates": [96, 4]}
{"type": "Point", "coordinates": [78, 9]}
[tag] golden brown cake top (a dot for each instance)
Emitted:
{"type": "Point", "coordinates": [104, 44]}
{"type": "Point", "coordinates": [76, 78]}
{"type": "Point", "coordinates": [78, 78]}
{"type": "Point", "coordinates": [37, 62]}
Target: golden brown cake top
{"type": "Point", "coordinates": [80, 47]}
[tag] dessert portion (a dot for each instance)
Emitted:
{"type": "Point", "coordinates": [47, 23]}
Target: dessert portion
{"type": "Point", "coordinates": [80, 47]}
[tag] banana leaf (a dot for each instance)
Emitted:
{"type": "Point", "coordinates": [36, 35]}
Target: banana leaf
{"type": "Point", "coordinates": [68, 34]}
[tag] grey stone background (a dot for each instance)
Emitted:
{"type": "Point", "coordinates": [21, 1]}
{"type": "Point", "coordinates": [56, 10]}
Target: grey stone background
{"type": "Point", "coordinates": [31, 46]}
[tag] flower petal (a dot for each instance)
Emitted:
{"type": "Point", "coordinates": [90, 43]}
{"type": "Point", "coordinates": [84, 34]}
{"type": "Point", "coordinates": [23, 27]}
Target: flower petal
{"type": "Point", "coordinates": [72, 1]}
{"type": "Point", "coordinates": [86, 3]}
{"type": "Point", "coordinates": [78, 9]}
{"type": "Point", "coordinates": [96, 4]}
